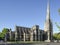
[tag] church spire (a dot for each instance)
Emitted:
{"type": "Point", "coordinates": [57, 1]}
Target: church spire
{"type": "Point", "coordinates": [48, 11]}
{"type": "Point", "coordinates": [48, 25]}
{"type": "Point", "coordinates": [47, 21]}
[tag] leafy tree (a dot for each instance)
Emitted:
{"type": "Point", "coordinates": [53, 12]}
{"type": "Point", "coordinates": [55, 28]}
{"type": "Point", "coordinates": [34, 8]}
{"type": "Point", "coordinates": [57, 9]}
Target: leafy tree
{"type": "Point", "coordinates": [57, 25]}
{"type": "Point", "coordinates": [55, 36]}
{"type": "Point", "coordinates": [1, 36]}
{"type": "Point", "coordinates": [4, 31]}
{"type": "Point", "coordinates": [59, 11]}
{"type": "Point", "coordinates": [58, 37]}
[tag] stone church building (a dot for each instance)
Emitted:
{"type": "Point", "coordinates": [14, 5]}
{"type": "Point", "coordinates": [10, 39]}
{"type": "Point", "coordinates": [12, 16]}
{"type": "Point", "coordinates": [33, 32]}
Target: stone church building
{"type": "Point", "coordinates": [34, 33]}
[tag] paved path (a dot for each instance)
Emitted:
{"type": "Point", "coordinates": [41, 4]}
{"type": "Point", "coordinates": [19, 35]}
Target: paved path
{"type": "Point", "coordinates": [31, 44]}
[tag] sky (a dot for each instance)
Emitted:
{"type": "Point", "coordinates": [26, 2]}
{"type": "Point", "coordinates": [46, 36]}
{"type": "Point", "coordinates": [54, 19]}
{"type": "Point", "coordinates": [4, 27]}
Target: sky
{"type": "Point", "coordinates": [27, 13]}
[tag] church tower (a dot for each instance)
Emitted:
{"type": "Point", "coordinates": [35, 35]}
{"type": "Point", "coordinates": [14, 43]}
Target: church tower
{"type": "Point", "coordinates": [48, 28]}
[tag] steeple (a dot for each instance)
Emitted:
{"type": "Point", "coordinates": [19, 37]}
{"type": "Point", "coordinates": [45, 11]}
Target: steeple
{"type": "Point", "coordinates": [48, 11]}
{"type": "Point", "coordinates": [47, 21]}
{"type": "Point", "coordinates": [48, 25]}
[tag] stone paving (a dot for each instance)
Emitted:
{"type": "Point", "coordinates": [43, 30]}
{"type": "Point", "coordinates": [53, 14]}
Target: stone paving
{"type": "Point", "coordinates": [30, 44]}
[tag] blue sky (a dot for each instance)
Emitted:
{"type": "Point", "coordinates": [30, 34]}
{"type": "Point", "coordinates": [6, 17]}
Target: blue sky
{"type": "Point", "coordinates": [27, 13]}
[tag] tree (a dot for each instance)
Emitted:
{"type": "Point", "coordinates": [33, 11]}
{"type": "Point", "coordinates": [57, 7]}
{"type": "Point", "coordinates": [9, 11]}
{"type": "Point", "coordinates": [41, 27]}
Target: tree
{"type": "Point", "coordinates": [58, 37]}
{"type": "Point", "coordinates": [55, 36]}
{"type": "Point", "coordinates": [59, 11]}
{"type": "Point", "coordinates": [4, 31]}
{"type": "Point", "coordinates": [1, 36]}
{"type": "Point", "coordinates": [57, 25]}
